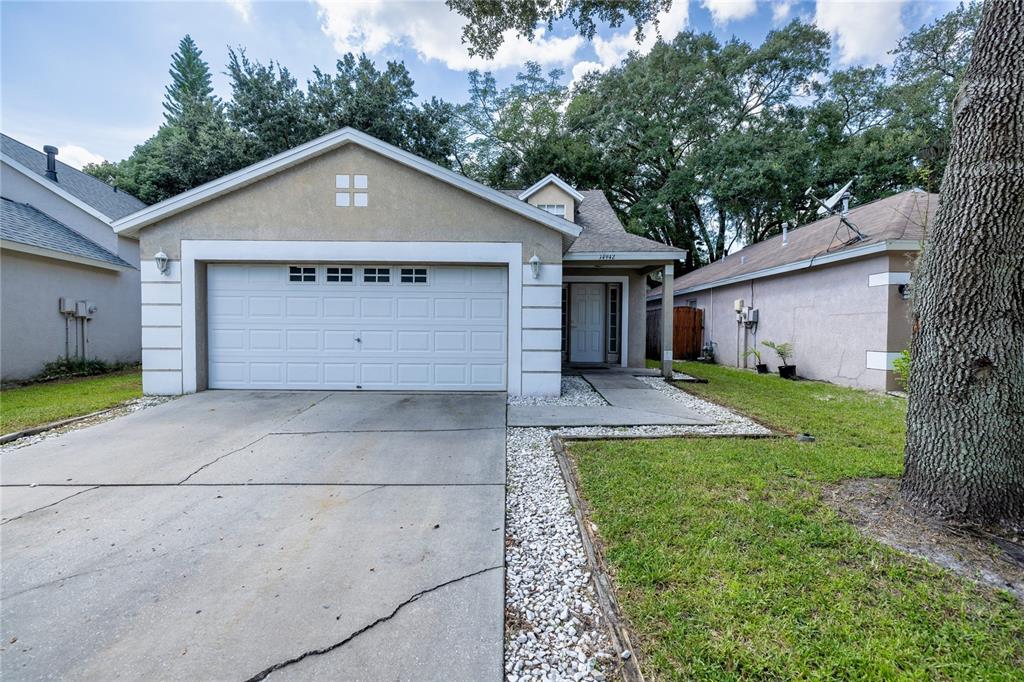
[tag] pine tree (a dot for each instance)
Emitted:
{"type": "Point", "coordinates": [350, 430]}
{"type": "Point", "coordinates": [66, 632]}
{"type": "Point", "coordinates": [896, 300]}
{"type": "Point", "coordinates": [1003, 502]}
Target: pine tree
{"type": "Point", "coordinates": [190, 86]}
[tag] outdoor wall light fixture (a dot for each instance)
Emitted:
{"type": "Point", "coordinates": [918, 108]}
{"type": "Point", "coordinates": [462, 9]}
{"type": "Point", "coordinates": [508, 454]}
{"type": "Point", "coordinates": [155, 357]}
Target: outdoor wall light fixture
{"type": "Point", "coordinates": [162, 262]}
{"type": "Point", "coordinates": [535, 266]}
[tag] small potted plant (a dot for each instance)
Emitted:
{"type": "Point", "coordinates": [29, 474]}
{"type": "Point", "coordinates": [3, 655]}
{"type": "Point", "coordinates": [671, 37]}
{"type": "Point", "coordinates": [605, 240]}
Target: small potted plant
{"type": "Point", "coordinates": [760, 366]}
{"type": "Point", "coordinates": [785, 352]}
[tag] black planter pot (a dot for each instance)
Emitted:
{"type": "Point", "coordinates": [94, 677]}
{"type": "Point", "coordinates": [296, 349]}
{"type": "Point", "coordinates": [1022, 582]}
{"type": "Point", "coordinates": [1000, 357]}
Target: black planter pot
{"type": "Point", "coordinates": [761, 368]}
{"type": "Point", "coordinates": [787, 371]}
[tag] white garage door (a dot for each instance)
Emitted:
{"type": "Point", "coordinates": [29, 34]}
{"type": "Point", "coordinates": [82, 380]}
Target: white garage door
{"type": "Point", "coordinates": [346, 326]}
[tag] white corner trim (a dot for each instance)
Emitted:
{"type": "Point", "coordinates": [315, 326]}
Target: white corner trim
{"type": "Point", "coordinates": [55, 188]}
{"type": "Point", "coordinates": [476, 253]}
{"type": "Point", "coordinates": [60, 255]}
{"type": "Point", "coordinates": [877, 359]}
{"type": "Point", "coordinates": [882, 279]}
{"type": "Point", "coordinates": [548, 179]}
{"type": "Point", "coordinates": [291, 157]}
{"type": "Point", "coordinates": [624, 281]}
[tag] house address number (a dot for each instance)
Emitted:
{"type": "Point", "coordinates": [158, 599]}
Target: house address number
{"type": "Point", "coordinates": [606, 256]}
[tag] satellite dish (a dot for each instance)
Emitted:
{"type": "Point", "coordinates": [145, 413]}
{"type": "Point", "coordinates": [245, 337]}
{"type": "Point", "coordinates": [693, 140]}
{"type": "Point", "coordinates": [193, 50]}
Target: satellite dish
{"type": "Point", "coordinates": [830, 203]}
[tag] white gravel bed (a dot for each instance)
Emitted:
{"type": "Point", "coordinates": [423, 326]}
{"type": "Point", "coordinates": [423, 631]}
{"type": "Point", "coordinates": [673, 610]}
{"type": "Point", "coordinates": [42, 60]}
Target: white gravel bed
{"type": "Point", "coordinates": [554, 628]}
{"type": "Point", "coordinates": [118, 411]}
{"type": "Point", "coordinates": [576, 392]}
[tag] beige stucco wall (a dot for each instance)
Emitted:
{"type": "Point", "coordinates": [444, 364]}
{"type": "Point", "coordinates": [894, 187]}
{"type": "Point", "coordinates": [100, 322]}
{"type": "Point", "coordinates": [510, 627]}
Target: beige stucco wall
{"type": "Point", "coordinates": [553, 194]}
{"type": "Point", "coordinates": [403, 205]}
{"type": "Point", "coordinates": [830, 314]}
{"type": "Point", "coordinates": [32, 329]}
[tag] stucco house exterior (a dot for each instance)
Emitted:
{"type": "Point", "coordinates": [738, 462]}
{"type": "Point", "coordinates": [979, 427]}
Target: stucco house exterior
{"type": "Point", "coordinates": [841, 300]}
{"type": "Point", "coordinates": [349, 264]}
{"type": "Point", "coordinates": [57, 245]}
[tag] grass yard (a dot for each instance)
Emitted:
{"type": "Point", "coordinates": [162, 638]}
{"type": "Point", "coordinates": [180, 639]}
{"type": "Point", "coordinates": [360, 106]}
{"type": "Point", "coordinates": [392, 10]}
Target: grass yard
{"type": "Point", "coordinates": [35, 404]}
{"type": "Point", "coordinates": [729, 566]}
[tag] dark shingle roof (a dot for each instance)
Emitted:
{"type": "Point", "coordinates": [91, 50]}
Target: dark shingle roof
{"type": "Point", "coordinates": [82, 186]}
{"type": "Point", "coordinates": [25, 224]}
{"type": "Point", "coordinates": [903, 216]}
{"type": "Point", "coordinates": [602, 230]}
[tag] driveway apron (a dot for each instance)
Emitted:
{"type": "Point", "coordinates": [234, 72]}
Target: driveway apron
{"type": "Point", "coordinates": [243, 535]}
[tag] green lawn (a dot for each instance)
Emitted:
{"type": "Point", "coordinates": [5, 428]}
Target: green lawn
{"type": "Point", "coordinates": [729, 566]}
{"type": "Point", "coordinates": [26, 406]}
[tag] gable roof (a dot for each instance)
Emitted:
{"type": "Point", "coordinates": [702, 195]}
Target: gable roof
{"type": "Point", "coordinates": [321, 145]}
{"type": "Point", "coordinates": [549, 179]}
{"type": "Point", "coordinates": [601, 230]}
{"type": "Point", "coordinates": [898, 221]}
{"type": "Point", "coordinates": [26, 225]}
{"type": "Point", "coordinates": [98, 195]}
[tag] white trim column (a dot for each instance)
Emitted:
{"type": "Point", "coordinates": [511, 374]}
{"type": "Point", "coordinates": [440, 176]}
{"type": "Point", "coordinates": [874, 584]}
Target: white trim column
{"type": "Point", "coordinates": [667, 314]}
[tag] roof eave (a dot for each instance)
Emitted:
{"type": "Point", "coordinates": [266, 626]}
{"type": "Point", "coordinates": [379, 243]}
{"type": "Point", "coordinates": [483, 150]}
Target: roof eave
{"type": "Point", "coordinates": [55, 188]}
{"type": "Point", "coordinates": [547, 180]}
{"type": "Point", "coordinates": [215, 188]}
{"type": "Point", "coordinates": [805, 264]}
{"type": "Point", "coordinates": [56, 254]}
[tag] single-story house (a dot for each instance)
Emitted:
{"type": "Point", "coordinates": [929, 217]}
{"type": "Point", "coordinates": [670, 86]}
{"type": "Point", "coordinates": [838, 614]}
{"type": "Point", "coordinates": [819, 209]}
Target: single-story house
{"type": "Point", "coordinates": [347, 263]}
{"type": "Point", "coordinates": [69, 285]}
{"type": "Point", "coordinates": [839, 298]}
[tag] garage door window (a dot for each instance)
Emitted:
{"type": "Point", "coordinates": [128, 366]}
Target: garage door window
{"type": "Point", "coordinates": [377, 275]}
{"type": "Point", "coordinates": [339, 274]}
{"type": "Point", "coordinates": [299, 273]}
{"type": "Point", "coordinates": [414, 276]}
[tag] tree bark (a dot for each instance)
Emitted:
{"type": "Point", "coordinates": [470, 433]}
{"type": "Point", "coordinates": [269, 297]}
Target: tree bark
{"type": "Point", "coordinates": [964, 457]}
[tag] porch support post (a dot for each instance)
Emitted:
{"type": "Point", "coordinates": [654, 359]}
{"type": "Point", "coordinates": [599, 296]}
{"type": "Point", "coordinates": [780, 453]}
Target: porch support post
{"type": "Point", "coordinates": [667, 310]}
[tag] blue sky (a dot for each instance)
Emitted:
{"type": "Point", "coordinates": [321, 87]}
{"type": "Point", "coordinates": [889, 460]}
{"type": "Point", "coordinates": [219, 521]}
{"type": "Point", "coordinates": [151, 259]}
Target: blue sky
{"type": "Point", "coordinates": [89, 76]}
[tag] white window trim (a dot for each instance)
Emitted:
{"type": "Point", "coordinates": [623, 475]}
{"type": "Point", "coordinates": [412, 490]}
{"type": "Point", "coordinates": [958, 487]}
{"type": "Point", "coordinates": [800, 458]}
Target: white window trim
{"type": "Point", "coordinates": [353, 272]}
{"type": "Point", "coordinates": [413, 268]}
{"type": "Point", "coordinates": [548, 207]}
{"type": "Point", "coordinates": [377, 268]}
{"type": "Point", "coordinates": [468, 253]}
{"type": "Point", "coordinates": [623, 310]}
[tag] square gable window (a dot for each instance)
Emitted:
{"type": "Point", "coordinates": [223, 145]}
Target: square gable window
{"type": "Point", "coordinates": [360, 181]}
{"type": "Point", "coordinates": [341, 182]}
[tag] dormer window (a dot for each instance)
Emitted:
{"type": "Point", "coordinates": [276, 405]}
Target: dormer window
{"type": "Point", "coordinates": [554, 209]}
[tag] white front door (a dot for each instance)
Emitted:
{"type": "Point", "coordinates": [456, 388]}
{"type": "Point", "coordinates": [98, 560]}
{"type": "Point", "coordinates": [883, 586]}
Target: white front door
{"type": "Point", "coordinates": [587, 323]}
{"type": "Point", "coordinates": [352, 326]}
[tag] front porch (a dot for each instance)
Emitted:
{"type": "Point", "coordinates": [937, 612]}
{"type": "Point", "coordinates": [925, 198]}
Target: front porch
{"type": "Point", "coordinates": [604, 311]}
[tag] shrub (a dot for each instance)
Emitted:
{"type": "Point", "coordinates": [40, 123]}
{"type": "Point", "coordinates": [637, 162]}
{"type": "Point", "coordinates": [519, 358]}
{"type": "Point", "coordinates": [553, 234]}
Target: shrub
{"type": "Point", "coordinates": [901, 366]}
{"type": "Point", "coordinates": [73, 367]}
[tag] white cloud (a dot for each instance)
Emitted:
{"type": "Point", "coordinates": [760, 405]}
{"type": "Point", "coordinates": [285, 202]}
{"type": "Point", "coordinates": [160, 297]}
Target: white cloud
{"type": "Point", "coordinates": [865, 31]}
{"type": "Point", "coordinates": [612, 50]}
{"type": "Point", "coordinates": [72, 154]}
{"type": "Point", "coordinates": [433, 31]}
{"type": "Point", "coordinates": [243, 7]}
{"type": "Point", "coordinates": [781, 10]}
{"type": "Point", "coordinates": [723, 11]}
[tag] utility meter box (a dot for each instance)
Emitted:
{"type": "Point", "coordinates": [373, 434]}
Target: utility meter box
{"type": "Point", "coordinates": [66, 306]}
{"type": "Point", "coordinates": [737, 305]}
{"type": "Point", "coordinates": [82, 309]}
{"type": "Point", "coordinates": [751, 314]}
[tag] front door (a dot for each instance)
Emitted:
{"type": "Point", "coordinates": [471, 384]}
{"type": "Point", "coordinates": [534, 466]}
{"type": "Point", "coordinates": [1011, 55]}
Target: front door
{"type": "Point", "coordinates": [587, 323]}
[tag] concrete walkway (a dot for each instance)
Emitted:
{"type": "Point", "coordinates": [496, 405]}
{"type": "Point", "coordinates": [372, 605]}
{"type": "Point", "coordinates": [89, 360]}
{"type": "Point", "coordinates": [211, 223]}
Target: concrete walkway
{"type": "Point", "coordinates": [228, 534]}
{"type": "Point", "coordinates": [630, 403]}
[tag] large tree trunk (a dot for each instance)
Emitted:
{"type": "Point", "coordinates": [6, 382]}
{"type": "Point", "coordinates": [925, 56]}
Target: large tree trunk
{"type": "Point", "coordinates": [965, 426]}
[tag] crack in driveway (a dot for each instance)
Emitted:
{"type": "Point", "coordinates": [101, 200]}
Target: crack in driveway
{"type": "Point", "coordinates": [383, 619]}
{"type": "Point", "coordinates": [47, 506]}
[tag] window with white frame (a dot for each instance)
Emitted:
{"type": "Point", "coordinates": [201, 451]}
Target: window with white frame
{"type": "Point", "coordinates": [613, 319]}
{"type": "Point", "coordinates": [301, 273]}
{"type": "Point", "coordinates": [413, 276]}
{"type": "Point", "coordinates": [377, 275]}
{"type": "Point", "coordinates": [338, 274]}
{"type": "Point", "coordinates": [554, 209]}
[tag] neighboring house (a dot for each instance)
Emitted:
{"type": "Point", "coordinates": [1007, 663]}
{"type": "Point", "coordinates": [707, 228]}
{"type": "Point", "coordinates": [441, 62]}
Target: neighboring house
{"type": "Point", "coordinates": [347, 263]}
{"type": "Point", "coordinates": [57, 245]}
{"type": "Point", "coordinates": [843, 305]}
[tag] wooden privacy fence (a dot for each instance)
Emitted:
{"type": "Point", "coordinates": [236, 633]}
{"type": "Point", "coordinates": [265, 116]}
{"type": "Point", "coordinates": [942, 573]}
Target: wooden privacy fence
{"type": "Point", "coordinates": [687, 332]}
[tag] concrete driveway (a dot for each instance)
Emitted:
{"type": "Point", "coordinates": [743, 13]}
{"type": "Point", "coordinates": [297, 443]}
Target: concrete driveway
{"type": "Point", "coordinates": [235, 535]}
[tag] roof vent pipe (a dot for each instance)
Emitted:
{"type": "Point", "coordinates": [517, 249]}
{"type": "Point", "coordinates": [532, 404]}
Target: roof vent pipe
{"type": "Point", "coordinates": [51, 162]}
{"type": "Point", "coordinates": [785, 233]}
